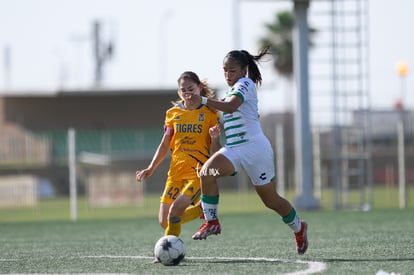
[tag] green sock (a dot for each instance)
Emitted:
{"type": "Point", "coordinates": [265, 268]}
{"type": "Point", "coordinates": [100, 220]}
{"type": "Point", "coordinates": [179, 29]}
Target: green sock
{"type": "Point", "coordinates": [292, 220]}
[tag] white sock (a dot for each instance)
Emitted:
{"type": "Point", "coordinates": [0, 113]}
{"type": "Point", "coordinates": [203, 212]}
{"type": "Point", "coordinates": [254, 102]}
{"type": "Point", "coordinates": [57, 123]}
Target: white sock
{"type": "Point", "coordinates": [210, 211]}
{"type": "Point", "coordinates": [295, 225]}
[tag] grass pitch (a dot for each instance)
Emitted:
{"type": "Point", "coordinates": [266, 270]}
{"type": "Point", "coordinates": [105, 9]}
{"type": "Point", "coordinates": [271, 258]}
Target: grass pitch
{"type": "Point", "coordinates": [340, 242]}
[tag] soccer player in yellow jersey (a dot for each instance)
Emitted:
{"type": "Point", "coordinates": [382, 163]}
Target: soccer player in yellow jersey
{"type": "Point", "coordinates": [191, 133]}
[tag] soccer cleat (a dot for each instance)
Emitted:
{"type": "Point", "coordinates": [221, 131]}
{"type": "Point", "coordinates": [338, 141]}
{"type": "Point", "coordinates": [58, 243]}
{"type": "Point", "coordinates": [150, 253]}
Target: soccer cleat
{"type": "Point", "coordinates": [302, 239]}
{"type": "Point", "coordinates": [207, 229]}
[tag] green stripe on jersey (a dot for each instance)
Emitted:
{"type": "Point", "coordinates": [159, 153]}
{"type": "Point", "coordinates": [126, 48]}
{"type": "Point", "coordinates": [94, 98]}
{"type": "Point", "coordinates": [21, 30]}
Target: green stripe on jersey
{"type": "Point", "coordinates": [233, 127]}
{"type": "Point", "coordinates": [236, 135]}
{"type": "Point", "coordinates": [239, 95]}
{"type": "Point", "coordinates": [232, 119]}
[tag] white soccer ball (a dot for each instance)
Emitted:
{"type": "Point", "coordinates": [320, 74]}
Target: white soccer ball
{"type": "Point", "coordinates": [169, 250]}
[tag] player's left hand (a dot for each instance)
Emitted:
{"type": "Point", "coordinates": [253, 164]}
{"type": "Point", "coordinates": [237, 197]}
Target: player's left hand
{"type": "Point", "coordinates": [214, 131]}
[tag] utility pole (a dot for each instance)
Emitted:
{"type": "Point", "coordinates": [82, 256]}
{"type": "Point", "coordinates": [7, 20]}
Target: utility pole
{"type": "Point", "coordinates": [303, 137]}
{"type": "Point", "coordinates": [103, 51]}
{"type": "Point", "coordinates": [402, 70]}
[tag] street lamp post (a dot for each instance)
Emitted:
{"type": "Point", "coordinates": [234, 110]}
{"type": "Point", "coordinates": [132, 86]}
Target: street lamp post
{"type": "Point", "coordinates": [402, 71]}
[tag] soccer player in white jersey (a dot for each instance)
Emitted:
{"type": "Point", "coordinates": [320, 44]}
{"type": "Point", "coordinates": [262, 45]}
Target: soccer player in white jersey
{"type": "Point", "coordinates": [246, 148]}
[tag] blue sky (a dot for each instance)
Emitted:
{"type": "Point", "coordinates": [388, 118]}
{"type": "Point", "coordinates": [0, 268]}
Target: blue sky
{"type": "Point", "coordinates": [50, 45]}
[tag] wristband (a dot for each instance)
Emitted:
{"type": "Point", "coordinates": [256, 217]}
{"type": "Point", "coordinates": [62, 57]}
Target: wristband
{"type": "Point", "coordinates": [204, 100]}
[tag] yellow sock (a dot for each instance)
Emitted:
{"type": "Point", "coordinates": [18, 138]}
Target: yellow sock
{"type": "Point", "coordinates": [173, 227]}
{"type": "Point", "coordinates": [191, 213]}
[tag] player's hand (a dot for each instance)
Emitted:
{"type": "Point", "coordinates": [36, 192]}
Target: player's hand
{"type": "Point", "coordinates": [214, 131]}
{"type": "Point", "coordinates": [194, 98]}
{"type": "Point", "coordinates": [141, 175]}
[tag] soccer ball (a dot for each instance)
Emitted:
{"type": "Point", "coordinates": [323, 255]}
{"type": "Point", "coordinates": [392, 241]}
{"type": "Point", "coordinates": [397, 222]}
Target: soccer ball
{"type": "Point", "coordinates": [169, 250]}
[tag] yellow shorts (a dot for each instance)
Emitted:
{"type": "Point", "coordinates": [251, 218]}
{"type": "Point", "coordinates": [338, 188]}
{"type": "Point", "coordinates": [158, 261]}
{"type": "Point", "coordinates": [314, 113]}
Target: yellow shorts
{"type": "Point", "coordinates": [188, 187]}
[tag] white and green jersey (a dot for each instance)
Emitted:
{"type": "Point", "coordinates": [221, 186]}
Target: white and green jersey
{"type": "Point", "coordinates": [243, 124]}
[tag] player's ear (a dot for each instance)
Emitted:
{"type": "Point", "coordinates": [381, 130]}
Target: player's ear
{"type": "Point", "coordinates": [244, 70]}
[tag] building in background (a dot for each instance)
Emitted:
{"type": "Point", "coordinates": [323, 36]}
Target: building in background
{"type": "Point", "coordinates": [117, 132]}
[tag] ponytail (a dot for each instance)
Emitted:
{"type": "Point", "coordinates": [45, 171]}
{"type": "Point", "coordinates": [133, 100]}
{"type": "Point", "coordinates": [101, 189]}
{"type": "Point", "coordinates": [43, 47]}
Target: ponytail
{"type": "Point", "coordinates": [244, 58]}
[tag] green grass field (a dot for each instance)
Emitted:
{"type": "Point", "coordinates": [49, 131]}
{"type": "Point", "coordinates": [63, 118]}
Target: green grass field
{"type": "Point", "coordinates": [253, 241]}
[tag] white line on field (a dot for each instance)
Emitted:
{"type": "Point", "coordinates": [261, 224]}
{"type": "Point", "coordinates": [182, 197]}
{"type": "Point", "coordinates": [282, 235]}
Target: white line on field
{"type": "Point", "coordinates": [313, 267]}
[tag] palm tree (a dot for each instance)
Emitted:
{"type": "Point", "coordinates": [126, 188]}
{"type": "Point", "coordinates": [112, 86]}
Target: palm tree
{"type": "Point", "coordinates": [280, 41]}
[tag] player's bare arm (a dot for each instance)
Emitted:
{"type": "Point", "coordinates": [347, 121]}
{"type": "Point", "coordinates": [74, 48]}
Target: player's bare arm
{"type": "Point", "coordinates": [159, 156]}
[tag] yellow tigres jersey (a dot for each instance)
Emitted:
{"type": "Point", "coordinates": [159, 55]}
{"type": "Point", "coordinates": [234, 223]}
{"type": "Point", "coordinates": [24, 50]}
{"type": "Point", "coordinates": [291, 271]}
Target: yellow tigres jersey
{"type": "Point", "coordinates": [190, 143]}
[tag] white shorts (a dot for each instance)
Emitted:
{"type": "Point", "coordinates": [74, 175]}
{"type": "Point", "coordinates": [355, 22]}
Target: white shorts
{"type": "Point", "coordinates": [255, 157]}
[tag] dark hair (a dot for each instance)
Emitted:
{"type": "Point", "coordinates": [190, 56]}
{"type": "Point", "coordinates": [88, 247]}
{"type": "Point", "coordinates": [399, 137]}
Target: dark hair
{"type": "Point", "coordinates": [244, 58]}
{"type": "Point", "coordinates": [192, 76]}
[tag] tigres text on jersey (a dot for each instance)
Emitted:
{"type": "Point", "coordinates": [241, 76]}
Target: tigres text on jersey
{"type": "Point", "coordinates": [190, 144]}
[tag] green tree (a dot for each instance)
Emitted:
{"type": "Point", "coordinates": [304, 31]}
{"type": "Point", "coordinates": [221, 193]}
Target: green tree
{"type": "Point", "coordinates": [280, 40]}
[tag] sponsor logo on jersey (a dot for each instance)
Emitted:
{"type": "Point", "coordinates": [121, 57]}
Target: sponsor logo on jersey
{"type": "Point", "coordinates": [188, 140]}
{"type": "Point", "coordinates": [201, 117]}
{"type": "Point", "coordinates": [243, 89]}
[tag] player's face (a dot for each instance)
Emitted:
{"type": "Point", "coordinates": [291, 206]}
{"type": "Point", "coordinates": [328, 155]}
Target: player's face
{"type": "Point", "coordinates": [233, 71]}
{"type": "Point", "coordinates": [188, 88]}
